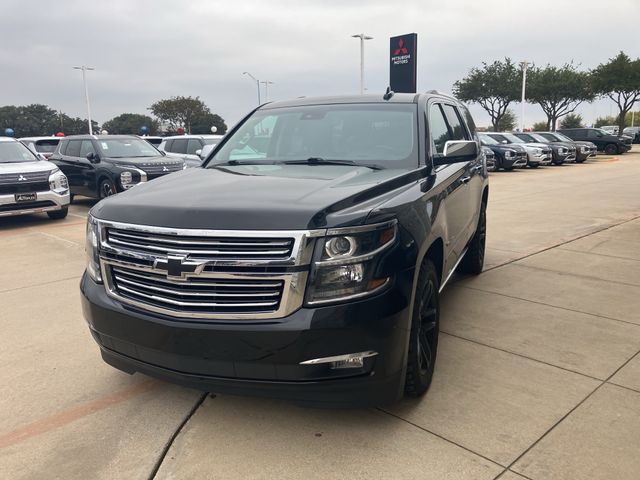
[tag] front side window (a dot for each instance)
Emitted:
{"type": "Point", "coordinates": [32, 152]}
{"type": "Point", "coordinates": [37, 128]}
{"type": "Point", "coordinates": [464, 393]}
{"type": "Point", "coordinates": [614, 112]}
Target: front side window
{"type": "Point", "coordinates": [126, 148]}
{"type": "Point", "coordinates": [15, 152]}
{"type": "Point", "coordinates": [86, 147]}
{"type": "Point", "coordinates": [438, 128]}
{"type": "Point", "coordinates": [193, 145]}
{"type": "Point", "coordinates": [458, 131]}
{"type": "Point", "coordinates": [179, 145]}
{"type": "Point", "coordinates": [380, 134]}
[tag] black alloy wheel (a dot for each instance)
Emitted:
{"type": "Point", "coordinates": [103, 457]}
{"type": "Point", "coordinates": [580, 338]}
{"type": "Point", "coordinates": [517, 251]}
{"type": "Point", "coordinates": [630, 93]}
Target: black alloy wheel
{"type": "Point", "coordinates": [107, 188]}
{"type": "Point", "coordinates": [425, 327]}
{"type": "Point", "coordinates": [611, 149]}
{"type": "Point", "coordinates": [473, 260]}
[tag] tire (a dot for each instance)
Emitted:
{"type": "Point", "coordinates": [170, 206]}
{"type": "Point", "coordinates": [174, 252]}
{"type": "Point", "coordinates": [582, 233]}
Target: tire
{"type": "Point", "coordinates": [58, 214]}
{"type": "Point", "coordinates": [473, 260]}
{"type": "Point", "coordinates": [423, 338]}
{"type": "Point", "coordinates": [71, 197]}
{"type": "Point", "coordinates": [107, 188]}
{"type": "Point", "coordinates": [611, 149]}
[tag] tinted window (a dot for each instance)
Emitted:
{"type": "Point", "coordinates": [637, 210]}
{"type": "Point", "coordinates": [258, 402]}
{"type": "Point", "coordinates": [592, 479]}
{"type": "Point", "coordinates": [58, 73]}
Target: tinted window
{"type": "Point", "coordinates": [591, 134]}
{"type": "Point", "coordinates": [179, 146]}
{"type": "Point", "coordinates": [86, 148]}
{"type": "Point", "coordinates": [166, 145]}
{"type": "Point", "coordinates": [73, 149]}
{"type": "Point", "coordinates": [455, 123]}
{"type": "Point", "coordinates": [63, 147]}
{"type": "Point", "coordinates": [470, 123]}
{"type": "Point", "coordinates": [126, 147]}
{"type": "Point", "coordinates": [499, 138]}
{"type": "Point", "coordinates": [47, 146]}
{"type": "Point", "coordinates": [549, 137]}
{"type": "Point", "coordinates": [438, 128]}
{"type": "Point", "coordinates": [193, 145]}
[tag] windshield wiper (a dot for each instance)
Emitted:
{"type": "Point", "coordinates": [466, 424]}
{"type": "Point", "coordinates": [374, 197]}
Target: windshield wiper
{"type": "Point", "coordinates": [322, 161]}
{"type": "Point", "coordinates": [234, 163]}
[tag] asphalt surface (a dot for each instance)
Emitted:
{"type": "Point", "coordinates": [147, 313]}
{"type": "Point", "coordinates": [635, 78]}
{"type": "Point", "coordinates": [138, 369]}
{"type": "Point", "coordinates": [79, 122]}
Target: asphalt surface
{"type": "Point", "coordinates": [538, 370]}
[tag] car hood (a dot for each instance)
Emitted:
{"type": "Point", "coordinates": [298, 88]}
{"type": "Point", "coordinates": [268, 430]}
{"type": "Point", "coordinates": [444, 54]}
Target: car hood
{"type": "Point", "coordinates": [256, 197]}
{"type": "Point", "coordinates": [505, 146]}
{"type": "Point", "coordinates": [27, 167]}
{"type": "Point", "coordinates": [535, 145]}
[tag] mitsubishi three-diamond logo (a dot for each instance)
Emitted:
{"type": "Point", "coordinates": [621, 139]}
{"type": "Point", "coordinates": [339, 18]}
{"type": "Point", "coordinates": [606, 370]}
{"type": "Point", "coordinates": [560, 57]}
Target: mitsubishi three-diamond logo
{"type": "Point", "coordinates": [22, 178]}
{"type": "Point", "coordinates": [178, 267]}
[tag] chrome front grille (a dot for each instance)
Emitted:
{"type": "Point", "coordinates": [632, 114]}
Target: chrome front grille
{"type": "Point", "coordinates": [198, 295]}
{"type": "Point", "coordinates": [158, 169]}
{"type": "Point", "coordinates": [12, 178]}
{"type": "Point", "coordinates": [206, 274]}
{"type": "Point", "coordinates": [201, 248]}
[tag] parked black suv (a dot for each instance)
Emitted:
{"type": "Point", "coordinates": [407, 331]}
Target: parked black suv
{"type": "Point", "coordinates": [102, 165]}
{"type": "Point", "coordinates": [584, 150]}
{"type": "Point", "coordinates": [562, 152]}
{"type": "Point", "coordinates": [606, 142]}
{"type": "Point", "coordinates": [309, 269]}
{"type": "Point", "coordinates": [506, 157]}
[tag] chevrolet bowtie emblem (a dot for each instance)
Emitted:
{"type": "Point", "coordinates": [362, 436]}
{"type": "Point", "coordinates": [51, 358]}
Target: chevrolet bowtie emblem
{"type": "Point", "coordinates": [178, 267]}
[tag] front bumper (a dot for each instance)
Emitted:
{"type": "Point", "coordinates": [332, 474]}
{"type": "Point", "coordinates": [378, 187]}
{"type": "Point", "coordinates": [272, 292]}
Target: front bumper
{"type": "Point", "coordinates": [540, 159]}
{"type": "Point", "coordinates": [264, 357]}
{"type": "Point", "coordinates": [45, 202]}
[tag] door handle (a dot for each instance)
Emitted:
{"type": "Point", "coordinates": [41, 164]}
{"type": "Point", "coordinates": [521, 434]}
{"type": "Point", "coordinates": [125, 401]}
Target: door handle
{"type": "Point", "coordinates": [477, 168]}
{"type": "Point", "coordinates": [465, 179]}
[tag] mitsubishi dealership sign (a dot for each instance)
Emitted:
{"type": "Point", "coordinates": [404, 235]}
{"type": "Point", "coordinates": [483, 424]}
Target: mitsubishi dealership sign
{"type": "Point", "coordinates": [403, 59]}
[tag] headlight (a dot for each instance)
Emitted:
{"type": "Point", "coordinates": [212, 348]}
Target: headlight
{"type": "Point", "coordinates": [509, 153]}
{"type": "Point", "coordinates": [537, 151]}
{"type": "Point", "coordinates": [346, 263]}
{"type": "Point", "coordinates": [92, 249]}
{"type": "Point", "coordinates": [584, 149]}
{"type": "Point", "coordinates": [58, 181]}
{"type": "Point", "coordinates": [562, 150]}
{"type": "Point", "coordinates": [126, 180]}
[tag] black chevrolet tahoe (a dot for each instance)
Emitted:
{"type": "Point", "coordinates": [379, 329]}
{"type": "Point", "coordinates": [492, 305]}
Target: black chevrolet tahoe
{"type": "Point", "coordinates": [605, 141]}
{"type": "Point", "coordinates": [305, 266]}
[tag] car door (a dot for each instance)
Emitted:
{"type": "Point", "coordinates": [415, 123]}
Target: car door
{"type": "Point", "coordinates": [87, 170]}
{"type": "Point", "coordinates": [454, 179]}
{"type": "Point", "coordinates": [594, 136]}
{"type": "Point", "coordinates": [69, 164]}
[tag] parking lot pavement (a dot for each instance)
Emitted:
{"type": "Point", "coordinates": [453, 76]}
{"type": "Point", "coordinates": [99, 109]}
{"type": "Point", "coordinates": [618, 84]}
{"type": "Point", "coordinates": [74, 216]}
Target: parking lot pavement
{"type": "Point", "coordinates": [537, 374]}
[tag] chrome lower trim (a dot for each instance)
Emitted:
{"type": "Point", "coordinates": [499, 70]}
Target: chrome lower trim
{"type": "Point", "coordinates": [452, 271]}
{"type": "Point", "coordinates": [60, 201]}
{"type": "Point", "coordinates": [340, 358]}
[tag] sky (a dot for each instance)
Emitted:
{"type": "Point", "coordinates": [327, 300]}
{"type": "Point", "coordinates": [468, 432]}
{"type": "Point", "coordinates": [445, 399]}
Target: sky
{"type": "Point", "coordinates": [143, 50]}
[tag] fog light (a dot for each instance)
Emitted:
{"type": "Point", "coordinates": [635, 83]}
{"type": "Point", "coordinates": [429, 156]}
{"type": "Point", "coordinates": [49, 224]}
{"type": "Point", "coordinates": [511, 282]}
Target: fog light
{"type": "Point", "coordinates": [350, 360]}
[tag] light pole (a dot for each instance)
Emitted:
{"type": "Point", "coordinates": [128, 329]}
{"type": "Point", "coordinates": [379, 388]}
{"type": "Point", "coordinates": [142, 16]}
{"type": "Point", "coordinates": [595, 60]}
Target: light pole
{"type": "Point", "coordinates": [84, 69]}
{"type": "Point", "coordinates": [362, 38]}
{"type": "Point", "coordinates": [257, 84]}
{"type": "Point", "coordinates": [266, 84]}
{"type": "Point", "coordinates": [524, 66]}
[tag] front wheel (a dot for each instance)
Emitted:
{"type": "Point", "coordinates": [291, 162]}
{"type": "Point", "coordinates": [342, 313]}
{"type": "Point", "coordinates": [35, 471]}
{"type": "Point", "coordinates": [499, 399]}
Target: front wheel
{"type": "Point", "coordinates": [473, 260]}
{"type": "Point", "coordinates": [611, 149]}
{"type": "Point", "coordinates": [58, 214]}
{"type": "Point", "coordinates": [423, 339]}
{"type": "Point", "coordinates": [107, 188]}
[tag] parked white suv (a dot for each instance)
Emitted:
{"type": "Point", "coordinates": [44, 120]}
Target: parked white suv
{"type": "Point", "coordinates": [188, 147]}
{"type": "Point", "coordinates": [44, 146]}
{"type": "Point", "coordinates": [29, 184]}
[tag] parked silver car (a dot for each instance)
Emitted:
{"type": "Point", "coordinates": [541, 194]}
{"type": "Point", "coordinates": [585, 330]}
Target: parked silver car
{"type": "Point", "coordinates": [29, 184]}
{"type": "Point", "coordinates": [537, 153]}
{"type": "Point", "coordinates": [188, 147]}
{"type": "Point", "coordinates": [44, 146]}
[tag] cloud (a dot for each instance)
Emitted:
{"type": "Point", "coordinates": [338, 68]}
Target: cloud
{"type": "Point", "coordinates": [147, 50]}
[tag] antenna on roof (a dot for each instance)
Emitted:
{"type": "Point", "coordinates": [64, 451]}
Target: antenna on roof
{"type": "Point", "coordinates": [388, 94]}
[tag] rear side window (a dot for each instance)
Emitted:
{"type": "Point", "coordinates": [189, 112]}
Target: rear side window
{"type": "Point", "coordinates": [438, 128]}
{"type": "Point", "coordinates": [179, 146]}
{"type": "Point", "coordinates": [193, 145]}
{"type": "Point", "coordinates": [166, 145]}
{"type": "Point", "coordinates": [471, 125]}
{"type": "Point", "coordinates": [591, 134]}
{"type": "Point", "coordinates": [458, 131]}
{"type": "Point", "coordinates": [73, 148]}
{"type": "Point", "coordinates": [62, 147]}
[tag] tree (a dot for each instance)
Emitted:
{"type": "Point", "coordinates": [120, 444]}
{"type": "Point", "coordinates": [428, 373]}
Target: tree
{"type": "Point", "coordinates": [608, 120]}
{"type": "Point", "coordinates": [203, 123]}
{"type": "Point", "coordinates": [619, 80]}
{"type": "Point", "coordinates": [539, 127]}
{"type": "Point", "coordinates": [29, 120]}
{"type": "Point", "coordinates": [572, 120]}
{"type": "Point", "coordinates": [558, 90]}
{"type": "Point", "coordinates": [130, 123]}
{"type": "Point", "coordinates": [493, 87]}
{"type": "Point", "coordinates": [508, 122]}
{"type": "Point", "coordinates": [179, 111]}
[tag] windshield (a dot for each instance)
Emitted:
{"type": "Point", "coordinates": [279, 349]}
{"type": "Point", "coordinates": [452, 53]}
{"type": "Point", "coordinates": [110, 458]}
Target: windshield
{"type": "Point", "coordinates": [512, 138]}
{"type": "Point", "coordinates": [380, 134]}
{"type": "Point", "coordinates": [126, 147]}
{"type": "Point", "coordinates": [487, 140]}
{"type": "Point", "coordinates": [562, 138]}
{"type": "Point", "coordinates": [16, 152]}
{"type": "Point", "coordinates": [211, 141]}
{"type": "Point", "coordinates": [604, 132]}
{"type": "Point", "coordinates": [539, 138]}
{"type": "Point", "coordinates": [525, 137]}
{"type": "Point", "coordinates": [550, 137]}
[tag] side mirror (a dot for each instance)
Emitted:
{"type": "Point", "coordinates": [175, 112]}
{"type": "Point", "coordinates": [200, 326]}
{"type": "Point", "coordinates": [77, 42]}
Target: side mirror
{"type": "Point", "coordinates": [504, 142]}
{"type": "Point", "coordinates": [457, 151]}
{"type": "Point", "coordinates": [93, 158]}
{"type": "Point", "coordinates": [206, 150]}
